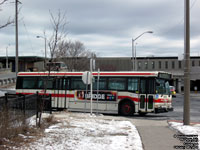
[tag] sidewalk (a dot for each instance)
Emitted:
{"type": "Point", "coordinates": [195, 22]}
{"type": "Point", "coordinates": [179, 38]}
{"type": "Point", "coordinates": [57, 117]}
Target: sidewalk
{"type": "Point", "coordinates": [156, 135]}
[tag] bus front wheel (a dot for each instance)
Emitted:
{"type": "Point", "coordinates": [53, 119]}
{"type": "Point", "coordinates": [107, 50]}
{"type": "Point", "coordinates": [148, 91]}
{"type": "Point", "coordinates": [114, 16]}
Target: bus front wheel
{"type": "Point", "coordinates": [126, 108]}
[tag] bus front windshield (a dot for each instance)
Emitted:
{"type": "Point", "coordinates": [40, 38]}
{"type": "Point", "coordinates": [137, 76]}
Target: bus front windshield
{"type": "Point", "coordinates": [162, 86]}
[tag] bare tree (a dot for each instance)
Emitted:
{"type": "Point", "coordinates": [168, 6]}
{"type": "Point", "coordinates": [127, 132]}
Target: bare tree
{"type": "Point", "coordinates": [59, 32]}
{"type": "Point", "coordinates": [9, 20]}
{"type": "Point", "coordinates": [75, 55]}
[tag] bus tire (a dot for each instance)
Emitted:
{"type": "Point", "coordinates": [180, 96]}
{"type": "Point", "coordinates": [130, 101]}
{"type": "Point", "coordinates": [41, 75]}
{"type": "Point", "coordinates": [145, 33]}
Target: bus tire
{"type": "Point", "coordinates": [126, 108]}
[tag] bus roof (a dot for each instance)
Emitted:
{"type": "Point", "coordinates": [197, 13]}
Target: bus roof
{"type": "Point", "coordinates": [126, 73]}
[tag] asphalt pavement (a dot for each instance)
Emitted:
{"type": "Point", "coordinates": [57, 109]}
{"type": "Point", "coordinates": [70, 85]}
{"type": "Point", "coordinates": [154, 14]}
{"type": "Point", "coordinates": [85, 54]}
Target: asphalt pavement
{"type": "Point", "coordinates": [156, 135]}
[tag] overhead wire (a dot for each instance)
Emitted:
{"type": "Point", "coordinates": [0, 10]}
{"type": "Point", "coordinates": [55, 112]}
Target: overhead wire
{"type": "Point", "coordinates": [28, 35]}
{"type": "Point", "coordinates": [181, 21]}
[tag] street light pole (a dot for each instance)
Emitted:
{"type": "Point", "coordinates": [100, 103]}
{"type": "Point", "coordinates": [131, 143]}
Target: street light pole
{"type": "Point", "coordinates": [133, 55]}
{"type": "Point", "coordinates": [133, 50]}
{"type": "Point", "coordinates": [7, 57]}
{"type": "Point", "coordinates": [135, 58]}
{"type": "Point", "coordinates": [45, 48]}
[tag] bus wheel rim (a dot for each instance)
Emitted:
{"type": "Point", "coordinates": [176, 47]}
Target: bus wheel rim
{"type": "Point", "coordinates": [127, 108]}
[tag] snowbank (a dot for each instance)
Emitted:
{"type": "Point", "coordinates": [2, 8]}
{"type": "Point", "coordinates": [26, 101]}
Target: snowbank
{"type": "Point", "coordinates": [190, 132]}
{"type": "Point", "coordinates": [84, 132]}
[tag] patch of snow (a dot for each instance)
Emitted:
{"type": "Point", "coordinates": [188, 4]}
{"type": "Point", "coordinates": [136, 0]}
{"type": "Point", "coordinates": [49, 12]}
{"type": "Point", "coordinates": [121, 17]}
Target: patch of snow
{"type": "Point", "coordinates": [32, 120]}
{"type": "Point", "coordinates": [187, 130]}
{"type": "Point", "coordinates": [2, 93]}
{"type": "Point", "coordinates": [85, 132]}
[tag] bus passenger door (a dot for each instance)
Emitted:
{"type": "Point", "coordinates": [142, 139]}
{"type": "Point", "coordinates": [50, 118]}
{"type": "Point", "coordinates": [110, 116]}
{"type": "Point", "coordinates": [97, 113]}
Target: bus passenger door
{"type": "Point", "coordinates": [146, 96]}
{"type": "Point", "coordinates": [58, 93]}
{"type": "Point", "coordinates": [142, 95]}
{"type": "Point", "coordinates": [66, 92]}
{"type": "Point", "coordinates": [150, 95]}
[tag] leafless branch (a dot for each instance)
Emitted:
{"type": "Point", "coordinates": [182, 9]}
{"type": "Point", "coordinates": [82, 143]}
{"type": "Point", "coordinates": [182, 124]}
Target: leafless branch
{"type": "Point", "coordinates": [74, 54]}
{"type": "Point", "coordinates": [3, 1]}
{"type": "Point", "coordinates": [9, 21]}
{"type": "Point", "coordinates": [58, 23]}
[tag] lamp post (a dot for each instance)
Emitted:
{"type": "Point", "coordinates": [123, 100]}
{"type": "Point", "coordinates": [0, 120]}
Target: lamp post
{"type": "Point", "coordinates": [45, 47]}
{"type": "Point", "coordinates": [135, 63]}
{"type": "Point", "coordinates": [133, 49]}
{"type": "Point", "coordinates": [7, 57]}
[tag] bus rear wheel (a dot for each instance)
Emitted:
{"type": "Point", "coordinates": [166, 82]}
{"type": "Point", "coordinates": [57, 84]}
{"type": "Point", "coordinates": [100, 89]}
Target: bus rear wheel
{"type": "Point", "coordinates": [126, 108]}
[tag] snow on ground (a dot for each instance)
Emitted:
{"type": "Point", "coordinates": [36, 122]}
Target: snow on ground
{"type": "Point", "coordinates": [8, 88]}
{"type": "Point", "coordinates": [192, 131]}
{"type": "Point", "coordinates": [2, 93]}
{"type": "Point", "coordinates": [81, 131]}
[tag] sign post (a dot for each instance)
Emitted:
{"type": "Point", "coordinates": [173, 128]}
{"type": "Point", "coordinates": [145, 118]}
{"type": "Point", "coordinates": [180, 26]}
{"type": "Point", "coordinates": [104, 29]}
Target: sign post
{"type": "Point", "coordinates": [91, 90]}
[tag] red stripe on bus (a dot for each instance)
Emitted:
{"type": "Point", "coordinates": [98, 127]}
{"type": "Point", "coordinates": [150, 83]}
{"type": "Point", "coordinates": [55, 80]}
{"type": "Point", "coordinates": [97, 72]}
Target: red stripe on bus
{"type": "Point", "coordinates": [63, 95]}
{"type": "Point", "coordinates": [132, 98]}
{"type": "Point", "coordinates": [102, 74]}
{"type": "Point", "coordinates": [46, 74]}
{"type": "Point", "coordinates": [53, 95]}
{"type": "Point", "coordinates": [125, 74]}
{"type": "Point", "coordinates": [161, 101]}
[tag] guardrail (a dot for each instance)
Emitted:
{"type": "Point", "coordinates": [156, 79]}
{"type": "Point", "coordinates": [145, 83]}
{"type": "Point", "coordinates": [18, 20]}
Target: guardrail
{"type": "Point", "coordinates": [6, 81]}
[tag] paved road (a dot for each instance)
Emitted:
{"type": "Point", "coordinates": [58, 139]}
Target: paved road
{"type": "Point", "coordinates": [177, 114]}
{"type": "Point", "coordinates": [7, 75]}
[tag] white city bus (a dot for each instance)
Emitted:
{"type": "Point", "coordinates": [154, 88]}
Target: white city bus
{"type": "Point", "coordinates": [122, 93]}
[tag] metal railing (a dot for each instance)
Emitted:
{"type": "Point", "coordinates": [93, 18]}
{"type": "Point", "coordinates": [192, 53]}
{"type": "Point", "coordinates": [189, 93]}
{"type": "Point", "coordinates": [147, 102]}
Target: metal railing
{"type": "Point", "coordinates": [28, 105]}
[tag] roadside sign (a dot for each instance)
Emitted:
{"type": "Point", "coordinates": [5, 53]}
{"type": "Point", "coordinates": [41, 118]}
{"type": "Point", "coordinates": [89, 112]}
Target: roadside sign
{"type": "Point", "coordinates": [86, 77]}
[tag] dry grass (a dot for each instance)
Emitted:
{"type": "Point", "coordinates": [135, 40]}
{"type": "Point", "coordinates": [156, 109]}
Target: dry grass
{"type": "Point", "coordinates": [48, 121]}
{"type": "Point", "coordinates": [15, 131]}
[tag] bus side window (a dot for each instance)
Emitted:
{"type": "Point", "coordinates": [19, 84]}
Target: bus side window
{"type": "Point", "coordinates": [66, 85]}
{"type": "Point", "coordinates": [133, 84]}
{"type": "Point", "coordinates": [58, 83]}
{"type": "Point", "coordinates": [117, 83]}
{"type": "Point", "coordinates": [29, 83]}
{"type": "Point", "coordinates": [102, 84]}
{"type": "Point", "coordinates": [42, 80]}
{"type": "Point", "coordinates": [151, 86]}
{"type": "Point", "coordinates": [77, 84]}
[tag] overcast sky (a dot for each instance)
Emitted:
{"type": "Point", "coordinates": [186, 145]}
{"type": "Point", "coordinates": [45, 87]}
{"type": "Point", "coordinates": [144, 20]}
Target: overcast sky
{"type": "Point", "coordinates": [105, 26]}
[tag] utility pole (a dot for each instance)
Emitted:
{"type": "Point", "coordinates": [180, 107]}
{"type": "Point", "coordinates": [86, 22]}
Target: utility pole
{"type": "Point", "coordinates": [16, 36]}
{"type": "Point", "coordinates": [186, 113]}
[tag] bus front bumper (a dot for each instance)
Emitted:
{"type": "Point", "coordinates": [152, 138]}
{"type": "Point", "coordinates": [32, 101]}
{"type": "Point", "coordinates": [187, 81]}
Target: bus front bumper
{"type": "Point", "coordinates": [163, 110]}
